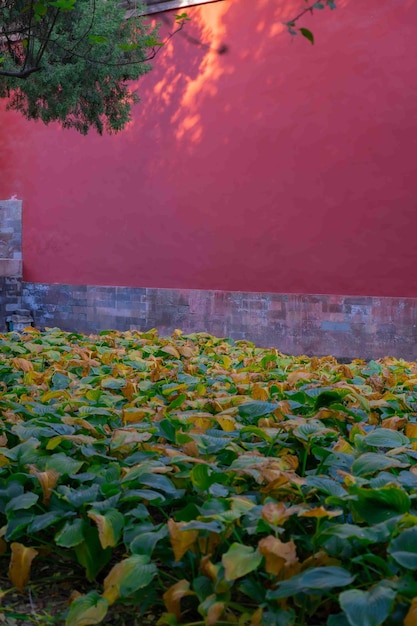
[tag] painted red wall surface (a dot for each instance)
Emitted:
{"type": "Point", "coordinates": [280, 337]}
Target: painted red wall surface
{"type": "Point", "coordinates": [276, 166]}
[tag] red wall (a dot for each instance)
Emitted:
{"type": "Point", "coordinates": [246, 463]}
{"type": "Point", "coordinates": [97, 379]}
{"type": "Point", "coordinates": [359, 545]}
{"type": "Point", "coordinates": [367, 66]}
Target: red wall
{"type": "Point", "coordinates": [277, 166]}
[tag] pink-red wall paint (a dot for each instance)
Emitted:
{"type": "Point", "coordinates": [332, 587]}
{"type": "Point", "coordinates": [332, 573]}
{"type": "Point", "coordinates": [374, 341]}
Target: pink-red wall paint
{"type": "Point", "coordinates": [277, 166]}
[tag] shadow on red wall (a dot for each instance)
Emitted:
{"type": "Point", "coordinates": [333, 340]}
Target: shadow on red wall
{"type": "Point", "coordinates": [275, 166]}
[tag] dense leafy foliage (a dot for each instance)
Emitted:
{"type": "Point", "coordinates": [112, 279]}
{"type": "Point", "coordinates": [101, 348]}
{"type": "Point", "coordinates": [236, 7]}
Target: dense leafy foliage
{"type": "Point", "coordinates": [71, 60]}
{"type": "Point", "coordinates": [206, 481]}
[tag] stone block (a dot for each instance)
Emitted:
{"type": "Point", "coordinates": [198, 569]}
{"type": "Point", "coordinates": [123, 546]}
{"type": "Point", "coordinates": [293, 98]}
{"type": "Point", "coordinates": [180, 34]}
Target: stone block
{"type": "Point", "coordinates": [10, 267]}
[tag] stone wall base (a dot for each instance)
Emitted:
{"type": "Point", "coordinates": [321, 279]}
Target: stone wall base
{"type": "Point", "coordinates": [347, 327]}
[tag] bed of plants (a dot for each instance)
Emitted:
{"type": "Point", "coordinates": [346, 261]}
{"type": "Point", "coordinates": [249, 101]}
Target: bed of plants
{"type": "Point", "coordinates": [199, 481]}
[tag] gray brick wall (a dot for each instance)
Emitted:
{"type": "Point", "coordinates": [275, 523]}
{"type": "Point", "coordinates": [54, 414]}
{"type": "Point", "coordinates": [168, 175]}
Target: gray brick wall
{"type": "Point", "coordinates": [346, 326]}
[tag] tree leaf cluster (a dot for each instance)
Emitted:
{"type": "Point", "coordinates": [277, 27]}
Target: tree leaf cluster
{"type": "Point", "coordinates": [73, 61]}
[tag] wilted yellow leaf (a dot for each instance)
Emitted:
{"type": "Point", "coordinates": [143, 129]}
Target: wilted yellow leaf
{"type": "Point", "coordinates": [319, 511]}
{"type": "Point", "coordinates": [277, 513]}
{"type": "Point", "coordinates": [294, 377]}
{"type": "Point", "coordinates": [411, 617]}
{"type": "Point", "coordinates": [278, 554]}
{"type": "Point", "coordinates": [226, 422]}
{"type": "Point", "coordinates": [57, 393]}
{"type": "Point", "coordinates": [181, 540]}
{"type": "Point", "coordinates": [259, 393]}
{"type": "Point", "coordinates": [124, 439]}
{"type": "Point", "coordinates": [22, 364]}
{"type": "Point", "coordinates": [214, 613]}
{"type": "Point", "coordinates": [109, 526]}
{"type": "Point", "coordinates": [208, 569]}
{"type": "Point", "coordinates": [202, 423]}
{"type": "Point", "coordinates": [129, 390]}
{"type": "Point", "coordinates": [171, 350]}
{"type": "Point", "coordinates": [394, 423]}
{"type": "Point", "coordinates": [186, 351]}
{"type": "Point", "coordinates": [411, 433]}
{"type": "Point", "coordinates": [133, 415]}
{"type": "Point", "coordinates": [48, 481]}
{"type": "Point", "coordinates": [20, 564]}
{"type": "Point", "coordinates": [343, 446]}
{"type": "Point", "coordinates": [173, 596]}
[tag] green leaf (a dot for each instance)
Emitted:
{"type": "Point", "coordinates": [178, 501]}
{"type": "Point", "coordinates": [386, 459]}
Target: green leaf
{"type": "Point", "coordinates": [240, 560]}
{"type": "Point", "coordinates": [313, 580]}
{"type": "Point", "coordinates": [367, 608]}
{"type": "Point", "coordinates": [202, 477]}
{"type": "Point", "coordinates": [25, 501]}
{"type": "Point", "coordinates": [88, 609]}
{"type": "Point", "coordinates": [72, 534]}
{"type": "Point", "coordinates": [404, 548]}
{"type": "Point", "coordinates": [63, 464]}
{"type": "Point", "coordinates": [386, 438]}
{"type": "Point", "coordinates": [113, 383]}
{"type": "Point", "coordinates": [378, 505]}
{"type": "Point", "coordinates": [371, 462]}
{"type": "Point", "coordinates": [47, 519]}
{"type": "Point", "coordinates": [307, 34]}
{"type": "Point", "coordinates": [251, 411]}
{"type": "Point", "coordinates": [327, 397]}
{"type": "Point", "coordinates": [60, 381]}
{"type": "Point", "coordinates": [91, 555]}
{"type": "Point", "coordinates": [145, 543]}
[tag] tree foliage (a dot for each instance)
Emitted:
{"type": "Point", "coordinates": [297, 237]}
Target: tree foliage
{"type": "Point", "coordinates": [72, 60]}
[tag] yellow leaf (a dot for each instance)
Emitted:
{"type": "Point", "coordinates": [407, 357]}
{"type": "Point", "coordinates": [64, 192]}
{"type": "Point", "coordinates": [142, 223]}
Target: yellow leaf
{"type": "Point", "coordinates": [227, 361]}
{"type": "Point", "coordinates": [127, 576]}
{"type": "Point", "coordinates": [343, 446]}
{"type": "Point", "coordinates": [20, 564]}
{"type": "Point", "coordinates": [294, 377]}
{"type": "Point", "coordinates": [124, 439]}
{"type": "Point", "coordinates": [214, 613]}
{"type": "Point", "coordinates": [129, 390]}
{"type": "Point", "coordinates": [318, 512]}
{"type": "Point", "coordinates": [173, 596]}
{"type": "Point", "coordinates": [256, 619]}
{"type": "Point", "coordinates": [22, 364]}
{"type": "Point", "coordinates": [277, 513]}
{"type": "Point", "coordinates": [208, 569]}
{"type": "Point", "coordinates": [394, 423]}
{"type": "Point", "coordinates": [133, 416]}
{"type": "Point", "coordinates": [259, 393]}
{"type": "Point", "coordinates": [186, 351]}
{"type": "Point", "coordinates": [172, 351]}
{"type": "Point", "coordinates": [227, 423]}
{"type": "Point", "coordinates": [54, 442]}
{"type": "Point", "coordinates": [181, 540]}
{"type": "Point", "coordinates": [48, 481]}
{"type": "Point", "coordinates": [278, 554]}
{"type": "Point", "coordinates": [411, 433]}
{"type": "Point", "coordinates": [105, 530]}
{"type": "Point", "coordinates": [57, 393]}
{"type": "Point", "coordinates": [411, 617]}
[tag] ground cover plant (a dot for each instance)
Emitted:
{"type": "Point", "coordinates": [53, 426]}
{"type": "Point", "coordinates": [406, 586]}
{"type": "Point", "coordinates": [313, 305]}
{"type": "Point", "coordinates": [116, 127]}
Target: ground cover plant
{"type": "Point", "coordinates": [195, 480]}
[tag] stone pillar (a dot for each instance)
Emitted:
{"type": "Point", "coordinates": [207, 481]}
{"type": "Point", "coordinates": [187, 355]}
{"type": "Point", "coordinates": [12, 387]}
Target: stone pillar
{"type": "Point", "coordinates": [10, 259]}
